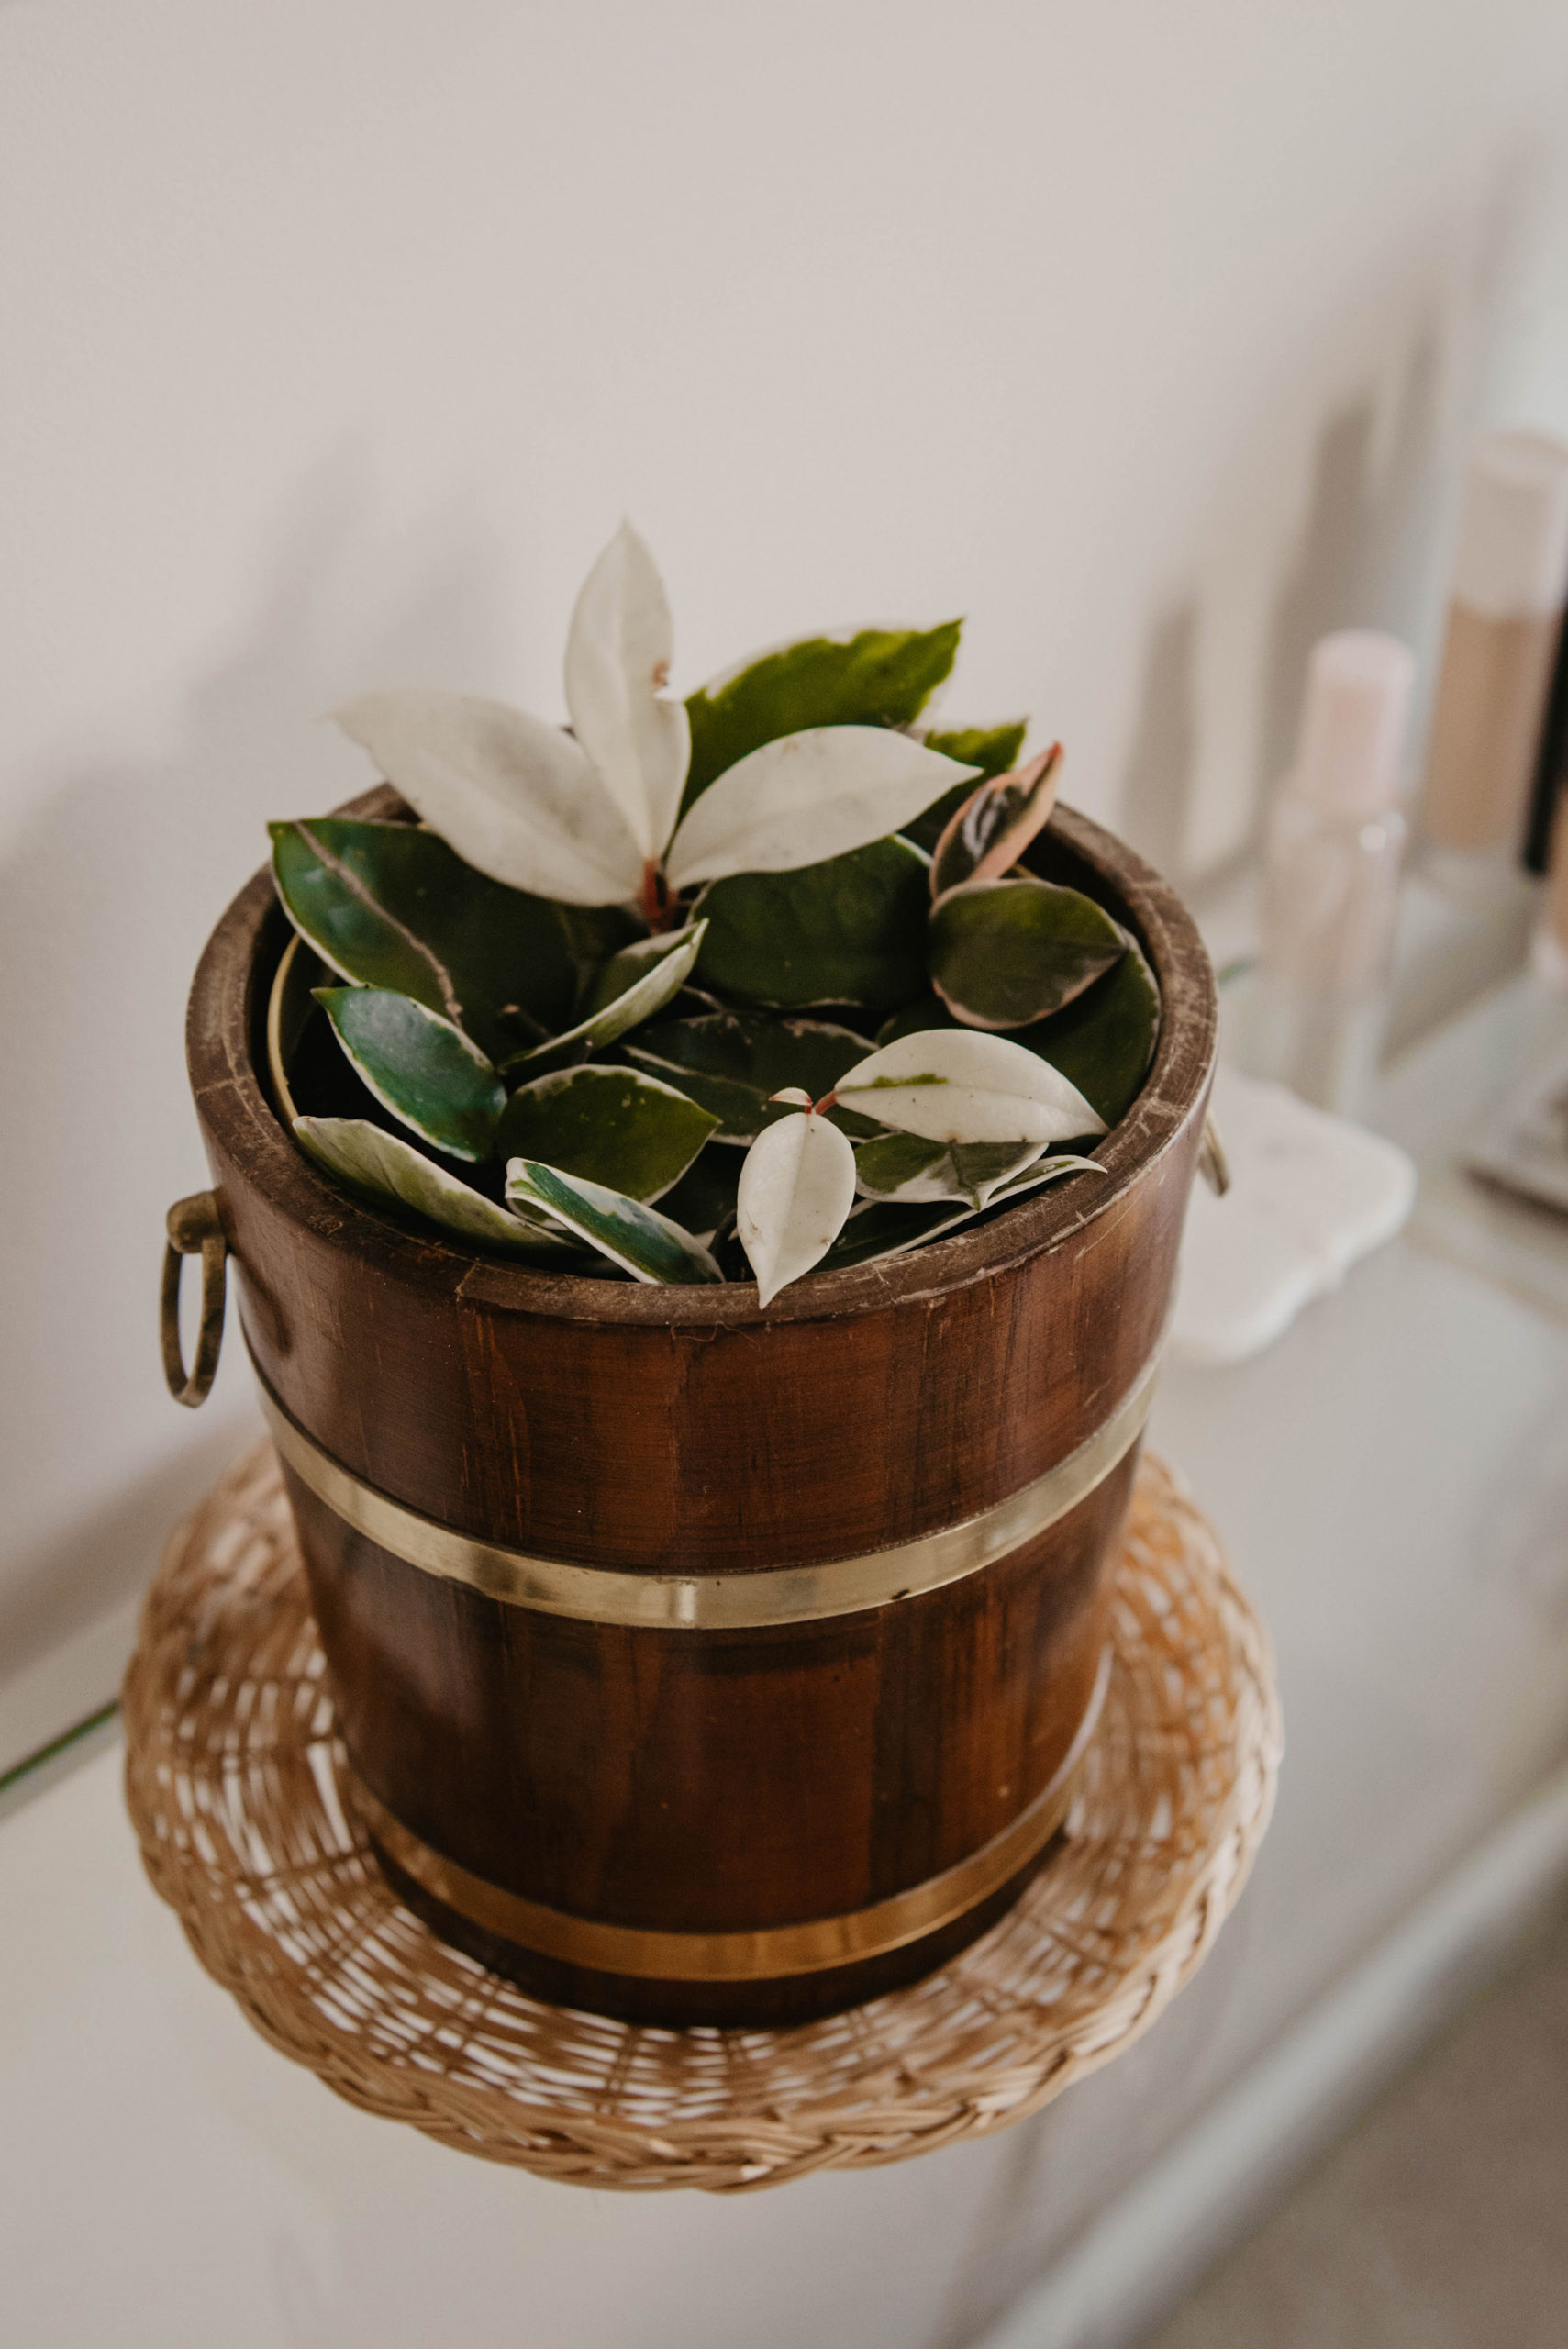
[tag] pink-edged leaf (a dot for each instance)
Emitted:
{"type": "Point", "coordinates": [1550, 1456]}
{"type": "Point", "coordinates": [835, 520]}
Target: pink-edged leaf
{"type": "Point", "coordinates": [986, 836]}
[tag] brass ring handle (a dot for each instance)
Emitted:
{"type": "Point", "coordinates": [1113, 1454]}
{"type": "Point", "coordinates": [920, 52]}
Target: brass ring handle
{"type": "Point", "coordinates": [194, 1228]}
{"type": "Point", "coordinates": [1212, 1163]}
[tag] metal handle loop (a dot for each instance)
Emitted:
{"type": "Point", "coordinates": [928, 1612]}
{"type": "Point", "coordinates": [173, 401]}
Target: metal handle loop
{"type": "Point", "coordinates": [194, 1228]}
{"type": "Point", "coordinates": [1212, 1163]}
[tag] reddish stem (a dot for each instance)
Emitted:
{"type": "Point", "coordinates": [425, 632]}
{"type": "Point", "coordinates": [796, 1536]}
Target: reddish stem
{"type": "Point", "coordinates": [658, 909]}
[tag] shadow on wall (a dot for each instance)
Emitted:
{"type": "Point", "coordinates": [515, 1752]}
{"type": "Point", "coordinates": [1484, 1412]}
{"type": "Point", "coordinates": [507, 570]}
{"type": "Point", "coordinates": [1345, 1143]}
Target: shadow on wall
{"type": "Point", "coordinates": [1162, 773]}
{"type": "Point", "coordinates": [1363, 558]}
{"type": "Point", "coordinates": [107, 897]}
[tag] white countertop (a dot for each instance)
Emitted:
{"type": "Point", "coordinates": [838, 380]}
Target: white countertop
{"type": "Point", "coordinates": [1392, 1479]}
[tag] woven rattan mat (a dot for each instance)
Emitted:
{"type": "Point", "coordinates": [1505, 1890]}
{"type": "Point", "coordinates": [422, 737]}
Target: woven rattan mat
{"type": "Point", "coordinates": [231, 1779]}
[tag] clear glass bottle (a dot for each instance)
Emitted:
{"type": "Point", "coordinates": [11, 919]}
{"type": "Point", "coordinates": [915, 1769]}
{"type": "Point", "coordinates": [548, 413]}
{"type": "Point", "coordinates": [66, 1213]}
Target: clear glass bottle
{"type": "Point", "coordinates": [1335, 844]}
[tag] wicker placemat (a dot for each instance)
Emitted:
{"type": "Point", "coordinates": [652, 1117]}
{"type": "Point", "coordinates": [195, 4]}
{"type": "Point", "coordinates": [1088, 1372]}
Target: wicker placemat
{"type": "Point", "coordinates": [231, 1779]}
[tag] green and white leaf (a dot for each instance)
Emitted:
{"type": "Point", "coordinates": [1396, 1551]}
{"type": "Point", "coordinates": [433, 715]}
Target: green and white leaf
{"type": "Point", "coordinates": [958, 1084]}
{"type": "Point", "coordinates": [648, 1245]}
{"type": "Point", "coordinates": [987, 835]}
{"type": "Point", "coordinates": [734, 1062]}
{"type": "Point", "coordinates": [805, 798]}
{"type": "Point", "coordinates": [657, 986]}
{"type": "Point", "coordinates": [908, 1168]}
{"type": "Point", "coordinates": [632, 962]}
{"type": "Point", "coordinates": [515, 796]}
{"type": "Point", "coordinates": [1006, 953]}
{"type": "Point", "coordinates": [613, 1126]}
{"type": "Point", "coordinates": [617, 660]}
{"type": "Point", "coordinates": [881, 1229]}
{"type": "Point", "coordinates": [393, 1172]}
{"type": "Point", "coordinates": [851, 929]}
{"type": "Point", "coordinates": [870, 676]}
{"type": "Point", "coordinates": [419, 1065]}
{"type": "Point", "coordinates": [992, 749]}
{"type": "Point", "coordinates": [392, 905]}
{"type": "Point", "coordinates": [796, 1188]}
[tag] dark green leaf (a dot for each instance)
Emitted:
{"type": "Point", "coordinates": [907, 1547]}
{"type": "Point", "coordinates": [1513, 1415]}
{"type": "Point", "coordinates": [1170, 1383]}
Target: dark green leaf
{"type": "Point", "coordinates": [391, 906]}
{"type": "Point", "coordinates": [703, 1202]}
{"type": "Point", "coordinates": [882, 1229]}
{"type": "Point", "coordinates": [393, 1173]}
{"type": "Point", "coordinates": [1104, 1040]}
{"type": "Point", "coordinates": [1006, 953]}
{"type": "Point", "coordinates": [908, 1168]}
{"type": "Point", "coordinates": [733, 1062]}
{"type": "Point", "coordinates": [419, 1066]}
{"type": "Point", "coordinates": [926, 1012]}
{"type": "Point", "coordinates": [656, 980]}
{"type": "Point", "coordinates": [992, 749]}
{"type": "Point", "coordinates": [991, 830]}
{"type": "Point", "coordinates": [642, 1242]}
{"type": "Point", "coordinates": [849, 931]}
{"type": "Point", "coordinates": [879, 677]}
{"type": "Point", "coordinates": [613, 1126]}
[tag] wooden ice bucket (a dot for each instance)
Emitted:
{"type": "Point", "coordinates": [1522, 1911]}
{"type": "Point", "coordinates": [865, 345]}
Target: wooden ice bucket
{"type": "Point", "coordinates": [697, 1663]}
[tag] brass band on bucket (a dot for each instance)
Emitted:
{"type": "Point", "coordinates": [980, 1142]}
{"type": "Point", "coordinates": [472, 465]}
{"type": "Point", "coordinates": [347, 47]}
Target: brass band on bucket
{"type": "Point", "coordinates": [716, 1602]}
{"type": "Point", "coordinates": [755, 1956]}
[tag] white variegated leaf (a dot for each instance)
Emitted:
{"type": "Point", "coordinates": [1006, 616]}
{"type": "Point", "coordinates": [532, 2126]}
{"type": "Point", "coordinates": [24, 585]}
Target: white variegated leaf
{"type": "Point", "coordinates": [807, 797]}
{"type": "Point", "coordinates": [797, 1185]}
{"type": "Point", "coordinates": [964, 1084]}
{"type": "Point", "coordinates": [618, 662]}
{"type": "Point", "coordinates": [369, 1159]}
{"type": "Point", "coordinates": [515, 798]}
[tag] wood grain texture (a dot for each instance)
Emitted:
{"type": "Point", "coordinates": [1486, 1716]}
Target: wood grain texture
{"type": "Point", "coordinates": [700, 1780]}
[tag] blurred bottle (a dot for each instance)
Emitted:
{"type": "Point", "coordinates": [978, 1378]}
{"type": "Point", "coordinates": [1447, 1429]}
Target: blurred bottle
{"type": "Point", "coordinates": [1546, 840]}
{"type": "Point", "coordinates": [1504, 620]}
{"type": "Point", "coordinates": [1331, 877]}
{"type": "Point", "coordinates": [1548, 947]}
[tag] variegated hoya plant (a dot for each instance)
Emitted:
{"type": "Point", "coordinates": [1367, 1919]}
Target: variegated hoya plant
{"type": "Point", "coordinates": [757, 980]}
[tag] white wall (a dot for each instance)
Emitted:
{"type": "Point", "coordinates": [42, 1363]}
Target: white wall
{"type": "Point", "coordinates": [339, 333]}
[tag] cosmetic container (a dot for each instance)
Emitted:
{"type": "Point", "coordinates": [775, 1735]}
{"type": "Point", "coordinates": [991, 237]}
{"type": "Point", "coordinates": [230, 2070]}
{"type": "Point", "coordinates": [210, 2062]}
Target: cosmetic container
{"type": "Point", "coordinates": [1548, 947]}
{"type": "Point", "coordinates": [1330, 878]}
{"type": "Point", "coordinates": [1504, 621]}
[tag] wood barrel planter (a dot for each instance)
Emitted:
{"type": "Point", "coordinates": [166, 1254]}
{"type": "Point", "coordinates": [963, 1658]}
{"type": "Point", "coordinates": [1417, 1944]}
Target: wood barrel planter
{"type": "Point", "coordinates": [697, 1663]}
